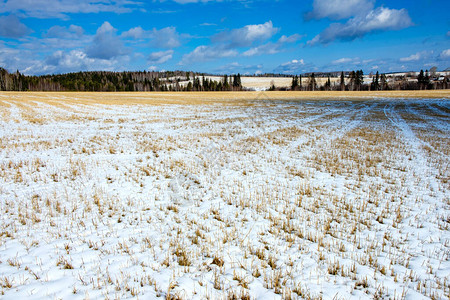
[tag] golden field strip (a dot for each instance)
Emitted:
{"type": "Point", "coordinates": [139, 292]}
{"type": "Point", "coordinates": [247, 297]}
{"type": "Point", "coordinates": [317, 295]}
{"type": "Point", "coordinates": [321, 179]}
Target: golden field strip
{"type": "Point", "coordinates": [239, 195]}
{"type": "Point", "coordinates": [215, 97]}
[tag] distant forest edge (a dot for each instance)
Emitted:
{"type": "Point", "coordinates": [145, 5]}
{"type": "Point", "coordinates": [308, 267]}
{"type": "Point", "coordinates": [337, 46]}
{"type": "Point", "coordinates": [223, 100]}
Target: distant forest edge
{"type": "Point", "coordinates": [105, 81]}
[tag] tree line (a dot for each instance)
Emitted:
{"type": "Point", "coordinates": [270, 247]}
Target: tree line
{"type": "Point", "coordinates": [102, 81]}
{"type": "Point", "coordinates": [354, 81]}
{"type": "Point", "coordinates": [105, 81]}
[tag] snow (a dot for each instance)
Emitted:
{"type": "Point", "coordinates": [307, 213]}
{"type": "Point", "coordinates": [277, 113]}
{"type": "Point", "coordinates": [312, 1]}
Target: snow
{"type": "Point", "coordinates": [268, 199]}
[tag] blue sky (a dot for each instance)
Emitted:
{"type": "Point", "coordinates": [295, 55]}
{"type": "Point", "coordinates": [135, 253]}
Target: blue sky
{"type": "Point", "coordinates": [228, 36]}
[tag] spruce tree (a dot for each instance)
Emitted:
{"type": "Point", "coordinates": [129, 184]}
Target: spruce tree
{"type": "Point", "coordinates": [342, 81]}
{"type": "Point", "coordinates": [294, 84]}
{"type": "Point", "coordinates": [383, 82]}
{"type": "Point", "coordinates": [377, 81]}
{"type": "Point", "coordinates": [312, 82]}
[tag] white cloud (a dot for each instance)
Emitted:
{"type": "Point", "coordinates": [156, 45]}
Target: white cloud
{"type": "Point", "coordinates": [295, 66]}
{"type": "Point", "coordinates": [290, 39]}
{"type": "Point", "coordinates": [412, 57]}
{"type": "Point", "coordinates": [14, 59]}
{"type": "Point", "coordinates": [269, 48]}
{"type": "Point", "coordinates": [136, 33]}
{"type": "Point", "coordinates": [160, 57]}
{"type": "Point", "coordinates": [226, 42]}
{"type": "Point", "coordinates": [165, 38]}
{"type": "Point", "coordinates": [73, 61]}
{"type": "Point", "coordinates": [60, 8]}
{"type": "Point", "coordinates": [445, 55]}
{"type": "Point", "coordinates": [272, 48]}
{"type": "Point", "coordinates": [205, 53]}
{"type": "Point", "coordinates": [73, 31]}
{"type": "Point", "coordinates": [380, 19]}
{"type": "Point", "coordinates": [339, 9]}
{"type": "Point", "coordinates": [344, 60]}
{"type": "Point", "coordinates": [106, 43]}
{"type": "Point", "coordinates": [11, 27]}
{"type": "Point", "coordinates": [419, 56]}
{"type": "Point", "coordinates": [247, 35]}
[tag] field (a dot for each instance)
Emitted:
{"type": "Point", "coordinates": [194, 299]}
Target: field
{"type": "Point", "coordinates": [225, 195]}
{"type": "Point", "coordinates": [264, 83]}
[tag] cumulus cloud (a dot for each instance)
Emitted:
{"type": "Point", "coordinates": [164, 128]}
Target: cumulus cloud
{"type": "Point", "coordinates": [73, 31]}
{"type": "Point", "coordinates": [412, 57]}
{"type": "Point", "coordinates": [206, 53]}
{"type": "Point", "coordinates": [290, 39]}
{"type": "Point", "coordinates": [60, 8]}
{"type": "Point", "coordinates": [136, 33]}
{"type": "Point", "coordinates": [339, 9]}
{"type": "Point", "coordinates": [380, 19]}
{"type": "Point", "coordinates": [445, 55]}
{"type": "Point", "coordinates": [225, 44]}
{"type": "Point", "coordinates": [14, 59]}
{"type": "Point", "coordinates": [419, 56]}
{"type": "Point", "coordinates": [295, 66]}
{"type": "Point", "coordinates": [272, 48]}
{"type": "Point", "coordinates": [160, 57]}
{"type": "Point", "coordinates": [74, 61]}
{"type": "Point", "coordinates": [106, 43]}
{"type": "Point", "coordinates": [344, 60]}
{"type": "Point", "coordinates": [11, 27]}
{"type": "Point", "coordinates": [165, 38]}
{"type": "Point", "coordinates": [247, 35]}
{"type": "Point", "coordinates": [269, 48]}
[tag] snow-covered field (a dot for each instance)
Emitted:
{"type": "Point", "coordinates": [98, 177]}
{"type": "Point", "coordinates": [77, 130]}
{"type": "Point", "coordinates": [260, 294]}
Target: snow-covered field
{"type": "Point", "coordinates": [255, 200]}
{"type": "Point", "coordinates": [264, 83]}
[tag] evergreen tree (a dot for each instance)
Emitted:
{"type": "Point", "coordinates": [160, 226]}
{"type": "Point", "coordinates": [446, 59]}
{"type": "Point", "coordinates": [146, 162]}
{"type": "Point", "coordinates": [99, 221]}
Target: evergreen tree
{"type": "Point", "coordinates": [383, 82]}
{"type": "Point", "coordinates": [426, 80]}
{"type": "Point", "coordinates": [236, 82]}
{"type": "Point", "coordinates": [328, 84]}
{"type": "Point", "coordinates": [376, 82]}
{"type": "Point", "coordinates": [312, 85]}
{"type": "Point", "coordinates": [420, 80]}
{"type": "Point", "coordinates": [352, 77]}
{"type": "Point", "coordinates": [423, 80]}
{"type": "Point", "coordinates": [226, 85]}
{"type": "Point", "coordinates": [358, 79]}
{"type": "Point", "coordinates": [342, 81]}
{"type": "Point", "coordinates": [294, 84]}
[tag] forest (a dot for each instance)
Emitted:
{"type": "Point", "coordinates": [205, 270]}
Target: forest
{"type": "Point", "coordinates": [104, 81]}
{"type": "Point", "coordinates": [143, 81]}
